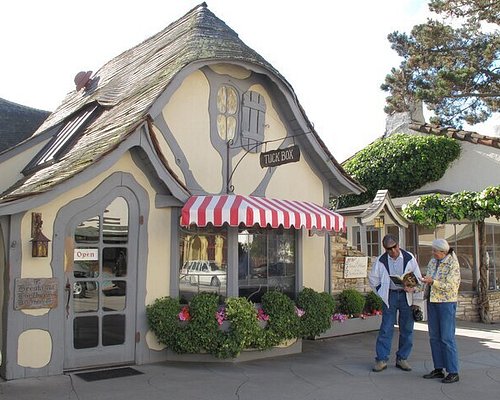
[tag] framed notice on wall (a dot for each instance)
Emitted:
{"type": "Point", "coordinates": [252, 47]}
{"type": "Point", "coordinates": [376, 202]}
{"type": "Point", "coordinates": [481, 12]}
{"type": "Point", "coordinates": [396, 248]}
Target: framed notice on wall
{"type": "Point", "coordinates": [356, 267]}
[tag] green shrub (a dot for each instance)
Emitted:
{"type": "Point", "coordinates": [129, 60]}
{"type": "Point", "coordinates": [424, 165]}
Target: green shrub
{"type": "Point", "coordinates": [318, 310]}
{"type": "Point", "coordinates": [283, 321]}
{"type": "Point", "coordinates": [201, 330]}
{"type": "Point", "coordinates": [373, 303]}
{"type": "Point", "coordinates": [350, 302]}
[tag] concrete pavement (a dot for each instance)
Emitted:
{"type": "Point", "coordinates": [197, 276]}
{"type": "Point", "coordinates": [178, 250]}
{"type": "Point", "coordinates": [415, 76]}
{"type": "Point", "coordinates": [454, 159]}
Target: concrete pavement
{"type": "Point", "coordinates": [337, 368]}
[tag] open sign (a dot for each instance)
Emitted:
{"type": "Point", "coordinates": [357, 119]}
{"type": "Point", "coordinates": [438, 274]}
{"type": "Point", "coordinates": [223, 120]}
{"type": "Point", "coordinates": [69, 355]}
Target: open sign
{"type": "Point", "coordinates": [86, 254]}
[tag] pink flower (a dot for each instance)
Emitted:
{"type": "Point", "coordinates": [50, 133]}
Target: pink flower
{"type": "Point", "coordinates": [339, 317]}
{"type": "Point", "coordinates": [299, 311]}
{"type": "Point", "coordinates": [220, 315]}
{"type": "Point", "coordinates": [184, 314]}
{"type": "Point", "coordinates": [261, 315]}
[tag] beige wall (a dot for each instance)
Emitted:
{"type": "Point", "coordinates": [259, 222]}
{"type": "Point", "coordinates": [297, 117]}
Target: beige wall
{"type": "Point", "coordinates": [476, 169]}
{"type": "Point", "coordinates": [186, 114]}
{"type": "Point", "coordinates": [187, 117]}
{"type": "Point", "coordinates": [11, 168]}
{"type": "Point", "coordinates": [313, 272]}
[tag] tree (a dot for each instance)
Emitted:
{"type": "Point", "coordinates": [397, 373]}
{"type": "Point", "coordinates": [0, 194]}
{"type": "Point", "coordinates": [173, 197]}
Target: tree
{"type": "Point", "coordinates": [454, 70]}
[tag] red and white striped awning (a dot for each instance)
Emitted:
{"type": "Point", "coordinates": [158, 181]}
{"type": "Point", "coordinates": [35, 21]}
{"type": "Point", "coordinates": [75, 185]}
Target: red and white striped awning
{"type": "Point", "coordinates": [249, 210]}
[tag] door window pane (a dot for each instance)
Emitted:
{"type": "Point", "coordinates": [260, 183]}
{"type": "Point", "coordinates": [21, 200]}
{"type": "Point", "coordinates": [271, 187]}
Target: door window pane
{"type": "Point", "coordinates": [115, 222]}
{"type": "Point", "coordinates": [85, 296]}
{"type": "Point", "coordinates": [113, 330]}
{"type": "Point", "coordinates": [88, 231]}
{"type": "Point", "coordinates": [85, 332]}
{"type": "Point", "coordinates": [114, 295]}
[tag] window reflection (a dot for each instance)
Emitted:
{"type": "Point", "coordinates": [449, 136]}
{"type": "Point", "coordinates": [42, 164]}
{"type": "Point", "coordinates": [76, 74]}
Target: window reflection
{"type": "Point", "coordinates": [115, 222]}
{"type": "Point", "coordinates": [266, 260]}
{"type": "Point", "coordinates": [203, 262]}
{"type": "Point", "coordinates": [493, 255]}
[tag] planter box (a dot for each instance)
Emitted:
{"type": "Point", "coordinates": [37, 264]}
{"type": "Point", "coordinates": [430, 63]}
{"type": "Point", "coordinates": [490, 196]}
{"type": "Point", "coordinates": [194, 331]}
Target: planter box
{"type": "Point", "coordinates": [290, 347]}
{"type": "Point", "coordinates": [352, 326]}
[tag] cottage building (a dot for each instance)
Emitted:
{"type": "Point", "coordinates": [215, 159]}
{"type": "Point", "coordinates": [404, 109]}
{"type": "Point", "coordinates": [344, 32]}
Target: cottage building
{"type": "Point", "coordinates": [184, 164]}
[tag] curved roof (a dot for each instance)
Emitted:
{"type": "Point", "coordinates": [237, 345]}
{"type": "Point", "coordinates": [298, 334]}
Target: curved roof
{"type": "Point", "coordinates": [127, 87]}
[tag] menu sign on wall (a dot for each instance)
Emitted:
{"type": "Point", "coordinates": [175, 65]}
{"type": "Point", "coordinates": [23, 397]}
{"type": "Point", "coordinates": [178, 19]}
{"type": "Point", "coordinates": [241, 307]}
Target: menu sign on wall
{"type": "Point", "coordinates": [356, 267]}
{"type": "Point", "coordinates": [32, 293]}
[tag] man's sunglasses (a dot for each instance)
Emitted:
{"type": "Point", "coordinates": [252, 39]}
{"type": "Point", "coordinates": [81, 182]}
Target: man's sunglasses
{"type": "Point", "coordinates": [391, 248]}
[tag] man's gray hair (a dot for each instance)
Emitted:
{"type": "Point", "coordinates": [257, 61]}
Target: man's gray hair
{"type": "Point", "coordinates": [389, 241]}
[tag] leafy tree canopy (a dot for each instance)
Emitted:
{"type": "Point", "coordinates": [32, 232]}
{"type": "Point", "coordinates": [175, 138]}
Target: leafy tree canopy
{"type": "Point", "coordinates": [454, 69]}
{"type": "Point", "coordinates": [400, 163]}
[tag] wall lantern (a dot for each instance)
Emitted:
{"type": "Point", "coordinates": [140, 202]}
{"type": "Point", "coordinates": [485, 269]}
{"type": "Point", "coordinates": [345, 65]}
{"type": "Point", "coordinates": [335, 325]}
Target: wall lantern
{"type": "Point", "coordinates": [378, 222]}
{"type": "Point", "coordinates": [39, 242]}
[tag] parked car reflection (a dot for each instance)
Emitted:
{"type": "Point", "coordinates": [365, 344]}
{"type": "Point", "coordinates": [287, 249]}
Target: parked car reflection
{"type": "Point", "coordinates": [203, 272]}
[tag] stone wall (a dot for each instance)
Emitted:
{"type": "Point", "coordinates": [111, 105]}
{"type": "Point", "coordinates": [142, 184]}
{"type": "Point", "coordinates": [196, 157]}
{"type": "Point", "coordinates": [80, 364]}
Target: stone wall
{"type": "Point", "coordinates": [467, 307]}
{"type": "Point", "coordinates": [494, 299]}
{"type": "Point", "coordinates": [339, 251]}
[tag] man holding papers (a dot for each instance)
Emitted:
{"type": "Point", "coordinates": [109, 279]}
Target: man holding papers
{"type": "Point", "coordinates": [396, 297]}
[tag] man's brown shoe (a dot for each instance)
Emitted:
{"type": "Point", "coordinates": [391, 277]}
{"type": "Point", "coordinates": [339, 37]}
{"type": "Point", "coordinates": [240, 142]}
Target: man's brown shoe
{"type": "Point", "coordinates": [403, 364]}
{"type": "Point", "coordinates": [379, 366]}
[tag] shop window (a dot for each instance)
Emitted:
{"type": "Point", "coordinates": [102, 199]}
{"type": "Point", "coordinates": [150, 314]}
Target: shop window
{"type": "Point", "coordinates": [227, 108]}
{"type": "Point", "coordinates": [461, 238]}
{"type": "Point", "coordinates": [253, 121]}
{"type": "Point", "coordinates": [493, 255]}
{"type": "Point", "coordinates": [266, 261]}
{"type": "Point", "coordinates": [203, 262]}
{"type": "Point", "coordinates": [372, 240]}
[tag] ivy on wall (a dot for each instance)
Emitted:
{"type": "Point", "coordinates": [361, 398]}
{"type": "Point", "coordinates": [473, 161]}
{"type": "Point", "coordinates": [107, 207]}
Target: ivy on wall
{"type": "Point", "coordinates": [434, 209]}
{"type": "Point", "coordinates": [400, 163]}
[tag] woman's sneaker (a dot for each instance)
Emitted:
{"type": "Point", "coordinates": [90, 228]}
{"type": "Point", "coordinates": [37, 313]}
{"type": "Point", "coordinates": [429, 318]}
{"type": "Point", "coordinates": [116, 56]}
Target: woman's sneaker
{"type": "Point", "coordinates": [451, 378]}
{"type": "Point", "coordinates": [437, 373]}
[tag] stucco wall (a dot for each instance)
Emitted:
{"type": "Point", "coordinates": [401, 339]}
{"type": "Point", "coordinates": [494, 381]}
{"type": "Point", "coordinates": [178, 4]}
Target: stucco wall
{"type": "Point", "coordinates": [314, 262]}
{"type": "Point", "coordinates": [10, 167]}
{"type": "Point", "coordinates": [476, 169]}
{"type": "Point", "coordinates": [186, 115]}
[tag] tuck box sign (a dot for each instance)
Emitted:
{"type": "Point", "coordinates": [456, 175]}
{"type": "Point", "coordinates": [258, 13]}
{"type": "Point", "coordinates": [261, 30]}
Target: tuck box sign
{"type": "Point", "coordinates": [274, 158]}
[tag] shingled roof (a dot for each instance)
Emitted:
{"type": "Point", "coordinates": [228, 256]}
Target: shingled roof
{"type": "Point", "coordinates": [465, 136]}
{"type": "Point", "coordinates": [18, 122]}
{"type": "Point", "coordinates": [127, 87]}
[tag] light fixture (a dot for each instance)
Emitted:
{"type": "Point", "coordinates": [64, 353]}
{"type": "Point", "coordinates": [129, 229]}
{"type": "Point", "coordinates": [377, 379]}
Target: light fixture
{"type": "Point", "coordinates": [39, 242]}
{"type": "Point", "coordinates": [378, 222]}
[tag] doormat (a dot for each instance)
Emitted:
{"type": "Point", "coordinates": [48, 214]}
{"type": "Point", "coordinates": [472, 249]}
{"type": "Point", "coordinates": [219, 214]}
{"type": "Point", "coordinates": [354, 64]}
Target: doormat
{"type": "Point", "coordinates": [108, 374]}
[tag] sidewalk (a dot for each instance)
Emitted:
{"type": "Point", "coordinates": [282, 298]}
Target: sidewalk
{"type": "Point", "coordinates": [338, 368]}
